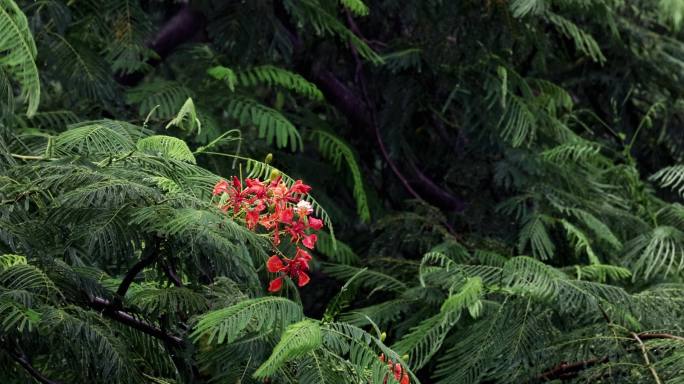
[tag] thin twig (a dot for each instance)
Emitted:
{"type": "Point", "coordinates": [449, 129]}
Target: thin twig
{"type": "Point", "coordinates": [23, 360]}
{"type": "Point", "coordinates": [646, 359]}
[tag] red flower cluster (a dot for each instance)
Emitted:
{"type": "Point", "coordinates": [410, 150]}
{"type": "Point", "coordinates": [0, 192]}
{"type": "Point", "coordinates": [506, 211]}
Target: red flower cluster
{"type": "Point", "coordinates": [279, 209]}
{"type": "Point", "coordinates": [399, 372]}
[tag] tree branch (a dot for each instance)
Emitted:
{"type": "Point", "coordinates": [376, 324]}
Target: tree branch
{"type": "Point", "coordinates": [25, 362]}
{"type": "Point", "coordinates": [647, 361]}
{"type": "Point", "coordinates": [568, 371]}
{"type": "Point", "coordinates": [107, 309]}
{"type": "Point", "coordinates": [148, 257]}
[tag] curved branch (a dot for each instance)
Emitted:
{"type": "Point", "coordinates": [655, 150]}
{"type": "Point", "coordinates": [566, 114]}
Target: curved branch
{"type": "Point", "coordinates": [25, 362]}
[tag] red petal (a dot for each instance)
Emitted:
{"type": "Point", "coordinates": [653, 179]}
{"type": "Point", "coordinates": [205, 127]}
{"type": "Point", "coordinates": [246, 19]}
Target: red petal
{"type": "Point", "coordinates": [274, 264]}
{"type": "Point", "coordinates": [397, 371]}
{"type": "Point", "coordinates": [299, 187]}
{"type": "Point", "coordinates": [220, 187]}
{"type": "Point", "coordinates": [309, 241]}
{"type": "Point", "coordinates": [275, 285]}
{"type": "Point", "coordinates": [315, 223]}
{"type": "Point", "coordinates": [302, 254]}
{"type": "Point", "coordinates": [405, 379]}
{"type": "Point", "coordinates": [302, 279]}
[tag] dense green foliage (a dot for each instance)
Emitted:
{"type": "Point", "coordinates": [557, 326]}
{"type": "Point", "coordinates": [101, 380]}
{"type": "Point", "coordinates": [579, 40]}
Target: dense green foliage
{"type": "Point", "coordinates": [500, 183]}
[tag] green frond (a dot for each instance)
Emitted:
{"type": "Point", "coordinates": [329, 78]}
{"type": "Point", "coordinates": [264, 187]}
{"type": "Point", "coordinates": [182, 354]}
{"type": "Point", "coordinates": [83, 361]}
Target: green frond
{"type": "Point", "coordinates": [25, 277]}
{"type": "Point", "coordinates": [521, 8]}
{"type": "Point", "coordinates": [424, 340]}
{"type": "Point", "coordinates": [166, 147]}
{"type": "Point", "coordinates": [186, 119]}
{"type": "Point", "coordinates": [335, 250]}
{"type": "Point", "coordinates": [9, 260]}
{"type": "Point", "coordinates": [518, 122]}
{"type": "Point", "coordinates": [271, 124]}
{"type": "Point", "coordinates": [98, 137]}
{"type": "Point", "coordinates": [225, 74]}
{"type": "Point", "coordinates": [357, 7]}
{"type": "Point", "coordinates": [573, 151]}
{"type": "Point", "coordinates": [16, 317]}
{"type": "Point", "coordinates": [670, 177]}
{"type": "Point", "coordinates": [336, 150]}
{"type": "Point", "coordinates": [599, 272]}
{"type": "Point", "coordinates": [535, 234]}
{"type": "Point", "coordinates": [298, 340]}
{"type": "Point", "coordinates": [371, 279]}
{"type": "Point", "coordinates": [253, 315]}
{"type": "Point", "coordinates": [100, 352]}
{"type": "Point", "coordinates": [584, 42]}
{"type": "Point", "coordinates": [168, 301]}
{"type": "Point", "coordinates": [598, 227]}
{"type": "Point", "coordinates": [311, 13]}
{"type": "Point", "coordinates": [19, 53]}
{"type": "Point", "coordinates": [659, 252]}
{"type": "Point", "coordinates": [404, 59]}
{"type": "Point", "coordinates": [580, 241]}
{"type": "Point", "coordinates": [159, 99]}
{"type": "Point", "coordinates": [273, 76]}
{"type": "Point", "coordinates": [82, 70]}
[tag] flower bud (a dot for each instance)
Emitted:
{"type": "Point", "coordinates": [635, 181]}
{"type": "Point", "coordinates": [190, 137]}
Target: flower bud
{"type": "Point", "coordinates": [274, 174]}
{"type": "Point", "coordinates": [268, 158]}
{"type": "Point", "coordinates": [405, 357]}
{"type": "Point", "coordinates": [383, 336]}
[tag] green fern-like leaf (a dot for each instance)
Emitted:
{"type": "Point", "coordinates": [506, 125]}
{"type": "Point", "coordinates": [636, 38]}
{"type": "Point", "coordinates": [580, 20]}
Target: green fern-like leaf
{"type": "Point", "coordinates": [336, 150]}
{"type": "Point", "coordinates": [167, 147]}
{"type": "Point", "coordinates": [274, 76]}
{"type": "Point", "coordinates": [271, 124]}
{"type": "Point", "coordinates": [260, 314]}
{"type": "Point", "coordinates": [19, 53]}
{"type": "Point", "coordinates": [297, 340]}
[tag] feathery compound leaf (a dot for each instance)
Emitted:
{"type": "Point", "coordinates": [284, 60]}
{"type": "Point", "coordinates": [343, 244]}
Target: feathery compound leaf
{"type": "Point", "coordinates": [271, 124]}
{"type": "Point", "coordinates": [671, 177]}
{"type": "Point", "coordinates": [167, 147]}
{"type": "Point", "coordinates": [336, 150]}
{"type": "Point", "coordinates": [224, 73]}
{"type": "Point", "coordinates": [253, 315]}
{"type": "Point", "coordinates": [335, 250]}
{"type": "Point", "coordinates": [522, 8]}
{"type": "Point", "coordinates": [534, 232]}
{"type": "Point", "coordinates": [426, 339]}
{"type": "Point", "coordinates": [297, 340]}
{"type": "Point", "coordinates": [160, 99]}
{"type": "Point", "coordinates": [584, 42]}
{"type": "Point", "coordinates": [19, 53]}
{"type": "Point", "coordinates": [356, 6]}
{"type": "Point", "coordinates": [98, 137]}
{"type": "Point", "coordinates": [186, 118]}
{"type": "Point", "coordinates": [369, 279]}
{"type": "Point", "coordinates": [274, 76]}
{"type": "Point", "coordinates": [658, 252]}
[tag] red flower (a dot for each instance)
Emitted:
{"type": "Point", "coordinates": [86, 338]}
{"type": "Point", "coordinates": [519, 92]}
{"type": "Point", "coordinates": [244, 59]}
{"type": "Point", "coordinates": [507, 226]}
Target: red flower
{"type": "Point", "coordinates": [309, 241]}
{"type": "Point", "coordinates": [296, 231]}
{"type": "Point", "coordinates": [299, 187]}
{"type": "Point", "coordinates": [399, 372]}
{"type": "Point", "coordinates": [252, 218]}
{"type": "Point", "coordinates": [274, 264]}
{"type": "Point", "coordinates": [315, 224]}
{"type": "Point", "coordinates": [256, 187]}
{"type": "Point", "coordinates": [273, 206]}
{"type": "Point", "coordinates": [275, 284]}
{"type": "Point", "coordinates": [220, 187]}
{"type": "Point", "coordinates": [286, 215]}
{"type": "Point", "coordinates": [295, 268]}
